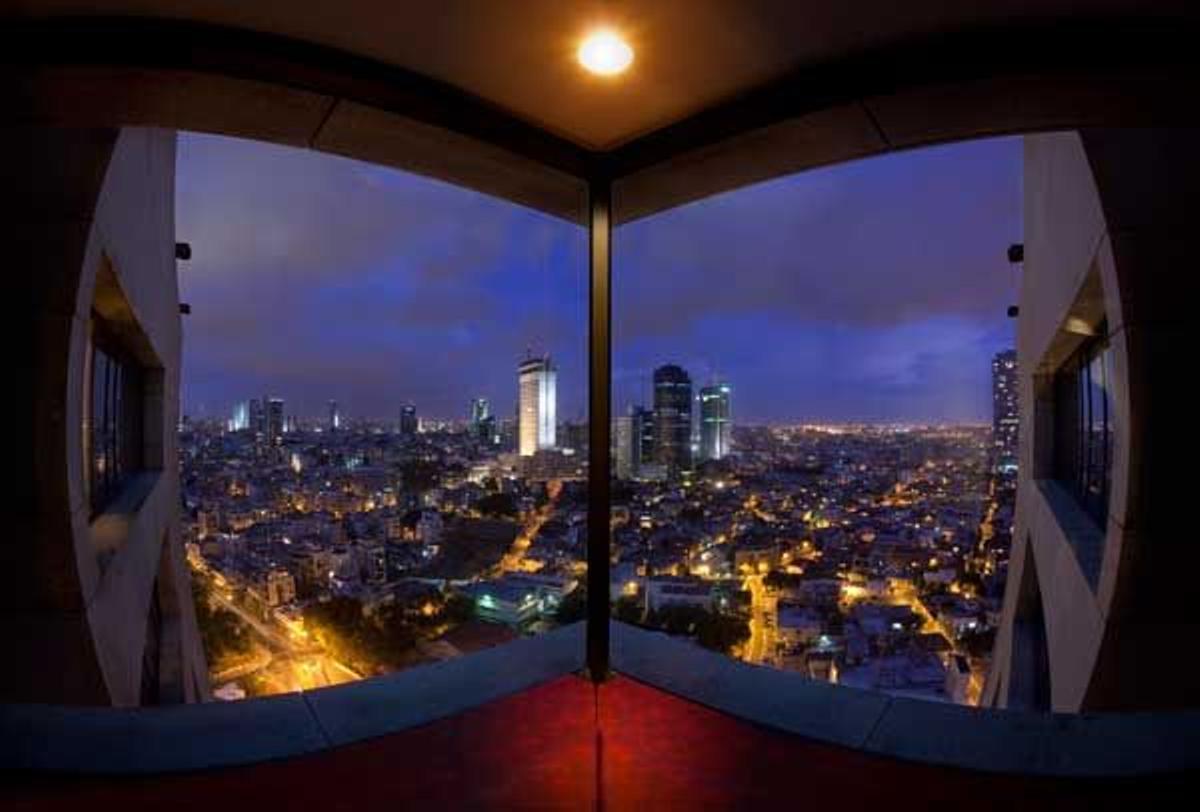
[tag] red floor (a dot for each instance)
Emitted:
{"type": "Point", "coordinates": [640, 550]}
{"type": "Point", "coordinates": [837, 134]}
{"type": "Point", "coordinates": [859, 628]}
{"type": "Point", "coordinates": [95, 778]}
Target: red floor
{"type": "Point", "coordinates": [542, 749]}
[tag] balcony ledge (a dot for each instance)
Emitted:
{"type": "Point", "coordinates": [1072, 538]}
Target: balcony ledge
{"type": "Point", "coordinates": [193, 737]}
{"type": "Point", "coordinates": [224, 734]}
{"type": "Point", "coordinates": [980, 739]}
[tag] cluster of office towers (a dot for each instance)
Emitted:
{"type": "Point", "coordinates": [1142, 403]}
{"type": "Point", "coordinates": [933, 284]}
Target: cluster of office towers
{"type": "Point", "coordinates": [663, 440]}
{"type": "Point", "coordinates": [264, 416]}
{"type": "Point", "coordinates": [666, 440]}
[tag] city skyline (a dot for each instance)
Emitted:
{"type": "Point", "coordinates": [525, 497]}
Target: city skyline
{"type": "Point", "coordinates": [466, 420]}
{"type": "Point", "coordinates": [711, 342]}
{"type": "Point", "coordinates": [449, 288]}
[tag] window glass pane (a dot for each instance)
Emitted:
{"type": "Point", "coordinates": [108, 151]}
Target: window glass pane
{"type": "Point", "coordinates": [815, 446]}
{"type": "Point", "coordinates": [86, 428]}
{"type": "Point", "coordinates": [1096, 405]}
{"type": "Point", "coordinates": [99, 467]}
{"type": "Point", "coordinates": [384, 445]}
{"type": "Point", "coordinates": [1081, 441]}
{"type": "Point", "coordinates": [116, 425]}
{"type": "Point", "coordinates": [1109, 417]}
{"type": "Point", "coordinates": [1083, 450]}
{"type": "Point", "coordinates": [115, 421]}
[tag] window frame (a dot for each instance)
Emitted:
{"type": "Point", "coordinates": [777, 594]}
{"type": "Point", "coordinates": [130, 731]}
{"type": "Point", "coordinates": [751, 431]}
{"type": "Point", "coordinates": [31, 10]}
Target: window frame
{"type": "Point", "coordinates": [1084, 425]}
{"type": "Point", "coordinates": [114, 419]}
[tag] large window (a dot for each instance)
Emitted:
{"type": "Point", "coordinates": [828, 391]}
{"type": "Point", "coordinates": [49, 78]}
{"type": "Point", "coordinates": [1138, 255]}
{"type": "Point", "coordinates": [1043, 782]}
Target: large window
{"type": "Point", "coordinates": [816, 421]}
{"type": "Point", "coordinates": [1084, 426]}
{"type": "Point", "coordinates": [113, 424]}
{"type": "Point", "coordinates": [384, 430]}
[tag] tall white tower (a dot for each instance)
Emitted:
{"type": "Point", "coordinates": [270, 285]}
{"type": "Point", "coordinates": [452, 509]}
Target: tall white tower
{"type": "Point", "coordinates": [537, 383]}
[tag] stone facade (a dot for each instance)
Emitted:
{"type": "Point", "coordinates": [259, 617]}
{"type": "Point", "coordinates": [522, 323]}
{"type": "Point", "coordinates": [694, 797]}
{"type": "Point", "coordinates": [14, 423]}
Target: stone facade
{"type": "Point", "coordinates": [1095, 612]}
{"type": "Point", "coordinates": [98, 602]}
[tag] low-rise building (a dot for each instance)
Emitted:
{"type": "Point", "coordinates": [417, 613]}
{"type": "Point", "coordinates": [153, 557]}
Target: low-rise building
{"type": "Point", "coordinates": [798, 625]}
{"type": "Point", "coordinates": [520, 599]}
{"type": "Point", "coordinates": [279, 588]}
{"type": "Point", "coordinates": [679, 591]}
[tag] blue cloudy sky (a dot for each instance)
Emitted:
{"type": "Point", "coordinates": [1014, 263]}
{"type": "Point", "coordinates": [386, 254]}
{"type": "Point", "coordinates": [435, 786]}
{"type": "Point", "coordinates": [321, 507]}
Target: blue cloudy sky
{"type": "Point", "coordinates": [871, 291]}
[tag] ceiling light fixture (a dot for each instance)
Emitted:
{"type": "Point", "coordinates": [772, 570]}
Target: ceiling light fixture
{"type": "Point", "coordinates": [604, 53]}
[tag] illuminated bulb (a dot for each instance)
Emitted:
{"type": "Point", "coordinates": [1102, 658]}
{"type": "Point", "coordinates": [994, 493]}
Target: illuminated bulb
{"type": "Point", "coordinates": [605, 53]}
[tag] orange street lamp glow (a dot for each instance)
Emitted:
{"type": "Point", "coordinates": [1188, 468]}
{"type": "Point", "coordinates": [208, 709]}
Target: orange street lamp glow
{"type": "Point", "coordinates": [604, 53]}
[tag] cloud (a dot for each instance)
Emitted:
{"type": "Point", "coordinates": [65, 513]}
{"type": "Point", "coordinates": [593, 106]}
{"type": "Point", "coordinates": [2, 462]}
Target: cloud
{"type": "Point", "coordinates": [882, 241]}
{"type": "Point", "coordinates": [318, 277]}
{"type": "Point", "coordinates": [869, 291]}
{"type": "Point", "coordinates": [932, 370]}
{"type": "Point", "coordinates": [873, 290]}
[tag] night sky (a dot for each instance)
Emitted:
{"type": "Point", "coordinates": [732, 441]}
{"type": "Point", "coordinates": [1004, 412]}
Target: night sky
{"type": "Point", "coordinates": [871, 291]}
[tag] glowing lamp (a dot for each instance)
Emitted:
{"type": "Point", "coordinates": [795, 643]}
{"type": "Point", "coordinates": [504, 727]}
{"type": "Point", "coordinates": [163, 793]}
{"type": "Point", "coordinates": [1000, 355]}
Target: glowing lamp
{"type": "Point", "coordinates": [604, 53]}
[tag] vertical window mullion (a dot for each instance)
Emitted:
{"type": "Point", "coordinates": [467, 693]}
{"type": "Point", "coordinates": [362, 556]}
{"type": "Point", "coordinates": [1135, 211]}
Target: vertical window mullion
{"type": "Point", "coordinates": [599, 417]}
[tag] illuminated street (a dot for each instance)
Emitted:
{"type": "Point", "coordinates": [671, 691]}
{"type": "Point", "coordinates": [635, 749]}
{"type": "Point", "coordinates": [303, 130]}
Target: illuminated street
{"type": "Point", "coordinates": [285, 659]}
{"type": "Point", "coordinates": [760, 649]}
{"type": "Point", "coordinates": [514, 560]}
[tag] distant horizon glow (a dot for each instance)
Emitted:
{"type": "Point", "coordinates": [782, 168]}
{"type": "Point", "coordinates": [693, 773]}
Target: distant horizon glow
{"type": "Point", "coordinates": [871, 292]}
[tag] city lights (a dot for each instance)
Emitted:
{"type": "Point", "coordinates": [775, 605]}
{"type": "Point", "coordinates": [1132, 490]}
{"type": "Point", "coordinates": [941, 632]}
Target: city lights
{"type": "Point", "coordinates": [834, 551]}
{"type": "Point", "coordinates": [839, 553]}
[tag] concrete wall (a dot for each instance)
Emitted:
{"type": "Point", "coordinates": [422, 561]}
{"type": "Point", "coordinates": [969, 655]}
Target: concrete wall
{"type": "Point", "coordinates": [93, 222]}
{"type": "Point", "coordinates": [1105, 218]}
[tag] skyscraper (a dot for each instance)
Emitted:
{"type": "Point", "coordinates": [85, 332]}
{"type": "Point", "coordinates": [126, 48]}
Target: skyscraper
{"type": "Point", "coordinates": [408, 420]}
{"type": "Point", "coordinates": [275, 420]}
{"type": "Point", "coordinates": [506, 434]}
{"type": "Point", "coordinates": [673, 418]}
{"type": "Point", "coordinates": [241, 416]}
{"type": "Point", "coordinates": [644, 436]}
{"type": "Point", "coordinates": [335, 417]}
{"type": "Point", "coordinates": [486, 431]}
{"type": "Point", "coordinates": [258, 417]}
{"type": "Point", "coordinates": [575, 435]}
{"type": "Point", "coordinates": [624, 446]}
{"type": "Point", "coordinates": [1005, 410]}
{"type": "Point", "coordinates": [480, 410]}
{"type": "Point", "coordinates": [537, 383]}
{"type": "Point", "coordinates": [716, 424]}
{"type": "Point", "coordinates": [483, 422]}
